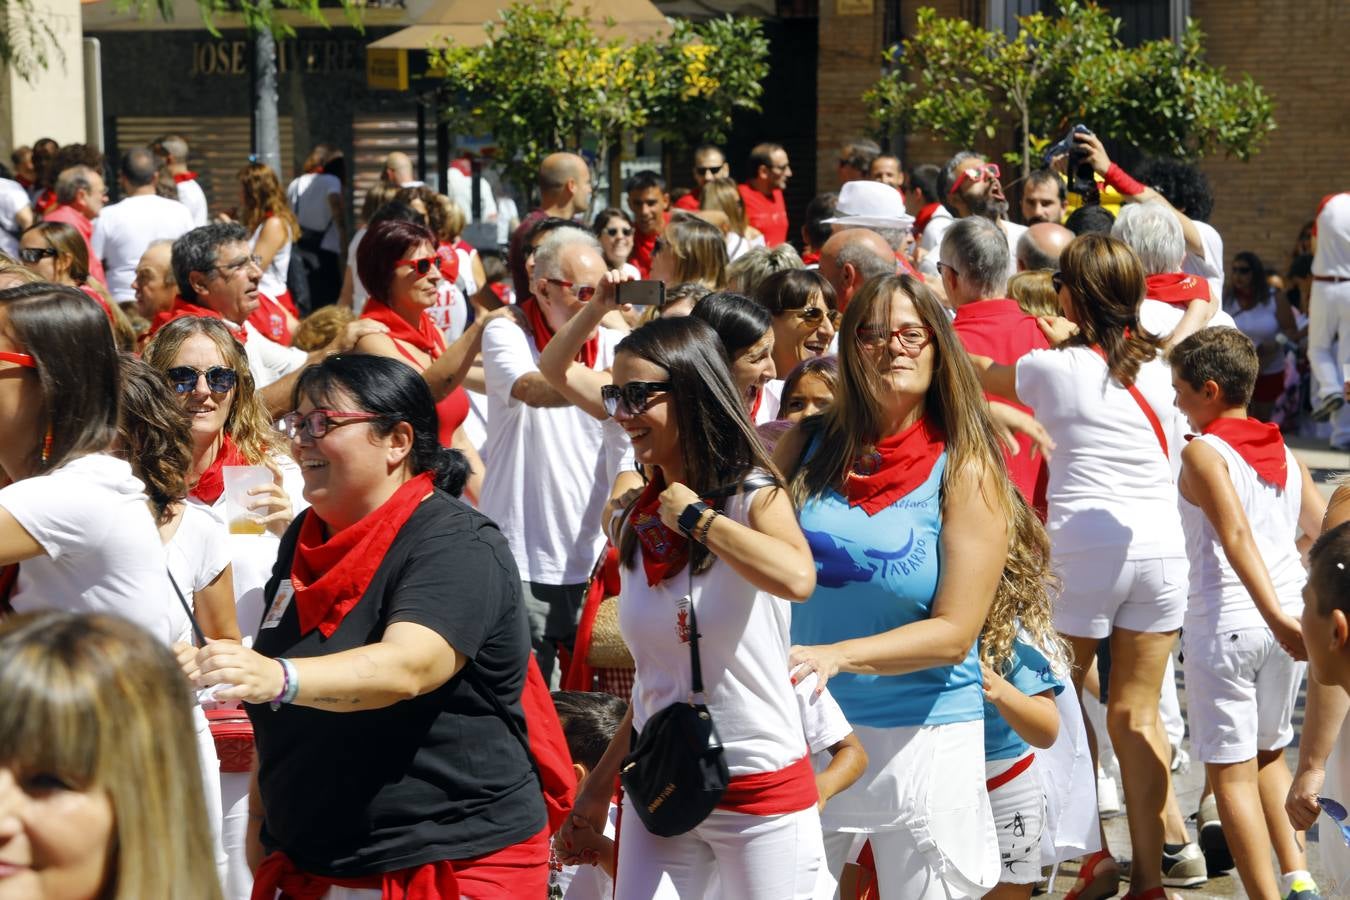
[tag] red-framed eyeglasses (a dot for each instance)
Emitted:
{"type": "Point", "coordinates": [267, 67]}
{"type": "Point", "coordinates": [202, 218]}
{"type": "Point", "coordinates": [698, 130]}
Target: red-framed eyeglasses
{"type": "Point", "coordinates": [25, 360]}
{"type": "Point", "coordinates": [584, 291]}
{"type": "Point", "coordinates": [975, 174]}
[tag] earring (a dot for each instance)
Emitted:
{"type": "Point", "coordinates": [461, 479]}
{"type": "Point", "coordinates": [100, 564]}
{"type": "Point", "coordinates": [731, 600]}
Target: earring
{"type": "Point", "coordinates": [47, 446]}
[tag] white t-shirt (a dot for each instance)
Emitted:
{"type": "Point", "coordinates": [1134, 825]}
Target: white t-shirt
{"type": "Point", "coordinates": [743, 650]}
{"type": "Point", "coordinates": [1211, 267]}
{"type": "Point", "coordinates": [267, 360]}
{"type": "Point", "coordinates": [252, 556]}
{"type": "Point", "coordinates": [13, 200]}
{"type": "Point", "coordinates": [551, 467]}
{"type": "Point", "coordinates": [359, 293]}
{"type": "Point", "coordinates": [273, 282]}
{"type": "Point", "coordinates": [1218, 601]}
{"type": "Point", "coordinates": [823, 722]}
{"type": "Point", "coordinates": [308, 196]}
{"type": "Point", "coordinates": [461, 191]}
{"type": "Point", "coordinates": [1161, 319]}
{"type": "Point", "coordinates": [1259, 324]}
{"type": "Point", "coordinates": [1110, 484]}
{"type": "Point", "coordinates": [739, 245]}
{"type": "Point", "coordinates": [1333, 238]}
{"type": "Point", "coordinates": [931, 240]}
{"type": "Point", "coordinates": [191, 195]}
{"type": "Point", "coordinates": [196, 553]}
{"type": "Point", "coordinates": [450, 311]}
{"type": "Point", "coordinates": [589, 882]}
{"type": "Point", "coordinates": [508, 217]}
{"type": "Point", "coordinates": [123, 231]}
{"type": "Point", "coordinates": [1013, 232]}
{"type": "Point", "coordinates": [102, 550]}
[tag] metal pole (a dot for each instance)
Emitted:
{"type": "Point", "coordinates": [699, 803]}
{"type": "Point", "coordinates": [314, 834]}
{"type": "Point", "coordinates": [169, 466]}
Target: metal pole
{"type": "Point", "coordinates": [442, 143]}
{"type": "Point", "coordinates": [266, 128]}
{"type": "Point", "coordinates": [422, 138]}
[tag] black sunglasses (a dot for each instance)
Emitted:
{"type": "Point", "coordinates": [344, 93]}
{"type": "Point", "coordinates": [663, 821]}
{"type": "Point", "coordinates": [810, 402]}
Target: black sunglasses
{"type": "Point", "coordinates": [707, 170]}
{"type": "Point", "coordinates": [220, 379]}
{"type": "Point", "coordinates": [635, 396]}
{"type": "Point", "coordinates": [34, 255]}
{"type": "Point", "coordinates": [615, 232]}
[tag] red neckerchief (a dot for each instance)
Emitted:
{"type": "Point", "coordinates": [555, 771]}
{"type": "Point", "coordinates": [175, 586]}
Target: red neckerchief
{"type": "Point", "coordinates": [425, 337]}
{"type": "Point", "coordinates": [23, 182]}
{"type": "Point", "coordinates": [331, 575]}
{"type": "Point", "coordinates": [1260, 445]}
{"type": "Point", "coordinates": [45, 201]}
{"type": "Point", "coordinates": [181, 177]}
{"type": "Point", "coordinates": [898, 465]}
{"type": "Point", "coordinates": [98, 298]}
{"type": "Point", "coordinates": [270, 320]}
{"type": "Point", "coordinates": [664, 552]}
{"type": "Point", "coordinates": [641, 255]}
{"type": "Point", "coordinates": [590, 351]}
{"type": "Point", "coordinates": [811, 259]}
{"type": "Point", "coordinates": [211, 483]}
{"type": "Point", "coordinates": [429, 881]}
{"type": "Point", "coordinates": [181, 309]}
{"type": "Point", "coordinates": [449, 261]}
{"type": "Point", "coordinates": [1176, 288]}
{"type": "Point", "coordinates": [754, 407]}
{"type": "Point", "coordinates": [905, 267]}
{"type": "Point", "coordinates": [924, 217]}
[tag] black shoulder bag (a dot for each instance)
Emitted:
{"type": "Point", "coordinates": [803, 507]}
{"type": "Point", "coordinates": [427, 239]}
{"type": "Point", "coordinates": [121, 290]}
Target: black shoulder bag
{"type": "Point", "coordinates": [676, 773]}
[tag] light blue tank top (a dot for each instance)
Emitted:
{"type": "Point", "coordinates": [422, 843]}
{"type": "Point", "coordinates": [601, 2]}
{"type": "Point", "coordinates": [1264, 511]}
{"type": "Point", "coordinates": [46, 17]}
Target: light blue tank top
{"type": "Point", "coordinates": [1031, 674]}
{"type": "Point", "coordinates": [875, 573]}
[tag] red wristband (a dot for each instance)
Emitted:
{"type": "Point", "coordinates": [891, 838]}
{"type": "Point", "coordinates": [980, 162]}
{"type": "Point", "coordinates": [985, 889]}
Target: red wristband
{"type": "Point", "coordinates": [1119, 179]}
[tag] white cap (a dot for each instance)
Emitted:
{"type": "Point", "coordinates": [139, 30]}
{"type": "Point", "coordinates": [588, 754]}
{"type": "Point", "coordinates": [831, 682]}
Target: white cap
{"type": "Point", "coordinates": [870, 204]}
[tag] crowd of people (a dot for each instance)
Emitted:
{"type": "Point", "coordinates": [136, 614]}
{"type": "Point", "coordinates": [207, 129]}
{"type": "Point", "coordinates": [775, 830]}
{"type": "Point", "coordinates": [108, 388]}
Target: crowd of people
{"type": "Point", "coordinates": [654, 551]}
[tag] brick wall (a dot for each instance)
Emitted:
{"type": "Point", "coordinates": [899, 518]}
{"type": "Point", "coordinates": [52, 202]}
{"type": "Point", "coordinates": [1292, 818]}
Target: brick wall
{"type": "Point", "coordinates": [1296, 50]}
{"type": "Point", "coordinates": [849, 62]}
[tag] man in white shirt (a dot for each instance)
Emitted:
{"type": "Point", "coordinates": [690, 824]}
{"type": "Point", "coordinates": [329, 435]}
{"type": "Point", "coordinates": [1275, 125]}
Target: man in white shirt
{"type": "Point", "coordinates": [123, 230]}
{"type": "Point", "coordinates": [218, 274]}
{"type": "Point", "coordinates": [931, 218]}
{"type": "Point", "coordinates": [549, 479]}
{"type": "Point", "coordinates": [1329, 316]}
{"type": "Point", "coordinates": [16, 215]}
{"type": "Point", "coordinates": [398, 171]}
{"type": "Point", "coordinates": [970, 185]}
{"type": "Point", "coordinates": [172, 152]}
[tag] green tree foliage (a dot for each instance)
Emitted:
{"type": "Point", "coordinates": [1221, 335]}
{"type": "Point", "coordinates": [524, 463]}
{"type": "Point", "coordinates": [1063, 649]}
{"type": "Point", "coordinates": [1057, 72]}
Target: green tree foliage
{"type": "Point", "coordinates": [962, 82]}
{"type": "Point", "coordinates": [544, 81]}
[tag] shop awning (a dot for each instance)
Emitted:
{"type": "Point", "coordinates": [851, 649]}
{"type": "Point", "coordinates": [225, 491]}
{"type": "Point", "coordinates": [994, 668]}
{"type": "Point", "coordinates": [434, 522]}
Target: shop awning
{"type": "Point", "coordinates": [462, 21]}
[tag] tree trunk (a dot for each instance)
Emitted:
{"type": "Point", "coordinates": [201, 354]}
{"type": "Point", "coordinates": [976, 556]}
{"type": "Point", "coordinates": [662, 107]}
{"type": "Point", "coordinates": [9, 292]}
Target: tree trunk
{"type": "Point", "coordinates": [266, 129]}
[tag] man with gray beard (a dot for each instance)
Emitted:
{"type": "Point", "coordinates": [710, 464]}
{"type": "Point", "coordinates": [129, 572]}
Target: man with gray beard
{"type": "Point", "coordinates": [969, 185]}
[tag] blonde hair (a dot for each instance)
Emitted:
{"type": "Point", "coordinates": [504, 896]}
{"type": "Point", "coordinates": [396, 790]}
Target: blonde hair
{"type": "Point", "coordinates": [102, 705]}
{"type": "Point", "coordinates": [699, 250]}
{"type": "Point", "coordinates": [319, 328]}
{"type": "Point", "coordinates": [721, 194]}
{"type": "Point", "coordinates": [1034, 293]}
{"type": "Point", "coordinates": [17, 272]}
{"type": "Point", "coordinates": [1025, 596]}
{"type": "Point", "coordinates": [248, 424]}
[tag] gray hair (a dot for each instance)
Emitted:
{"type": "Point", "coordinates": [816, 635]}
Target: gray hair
{"type": "Point", "coordinates": [173, 145]}
{"type": "Point", "coordinates": [198, 250]}
{"type": "Point", "coordinates": [1031, 255]}
{"type": "Point", "coordinates": [71, 181]}
{"type": "Point", "coordinates": [1154, 234]}
{"type": "Point", "coordinates": [894, 236]}
{"type": "Point", "coordinates": [947, 177]}
{"type": "Point", "coordinates": [978, 249]}
{"type": "Point", "coordinates": [749, 269]}
{"type": "Point", "coordinates": [864, 260]}
{"type": "Point", "coordinates": [548, 257]}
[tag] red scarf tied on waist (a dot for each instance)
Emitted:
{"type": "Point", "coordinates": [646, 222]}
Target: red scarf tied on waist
{"type": "Point", "coordinates": [589, 352]}
{"type": "Point", "coordinates": [211, 483]}
{"type": "Point", "coordinates": [1176, 288]}
{"type": "Point", "coordinates": [425, 337]}
{"type": "Point", "coordinates": [664, 552]}
{"type": "Point", "coordinates": [898, 465]}
{"type": "Point", "coordinates": [331, 575]}
{"type": "Point", "coordinates": [432, 881]}
{"type": "Point", "coordinates": [1260, 445]}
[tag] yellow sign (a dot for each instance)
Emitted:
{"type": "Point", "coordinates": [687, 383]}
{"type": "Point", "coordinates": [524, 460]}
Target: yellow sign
{"type": "Point", "coordinates": [852, 7]}
{"type": "Point", "coordinates": [387, 70]}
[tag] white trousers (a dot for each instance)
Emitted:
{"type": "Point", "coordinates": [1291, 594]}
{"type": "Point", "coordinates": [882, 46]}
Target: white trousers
{"type": "Point", "coordinates": [754, 858]}
{"type": "Point", "coordinates": [903, 870]}
{"type": "Point", "coordinates": [210, 767]}
{"type": "Point", "coordinates": [1329, 348]}
{"type": "Point", "coordinates": [234, 800]}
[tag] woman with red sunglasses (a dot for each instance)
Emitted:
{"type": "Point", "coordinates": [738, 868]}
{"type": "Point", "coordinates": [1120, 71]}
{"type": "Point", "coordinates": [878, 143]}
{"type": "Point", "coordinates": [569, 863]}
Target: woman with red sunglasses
{"type": "Point", "coordinates": [400, 267]}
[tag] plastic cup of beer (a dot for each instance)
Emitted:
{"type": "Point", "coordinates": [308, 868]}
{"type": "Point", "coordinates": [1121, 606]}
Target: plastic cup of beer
{"type": "Point", "coordinates": [240, 515]}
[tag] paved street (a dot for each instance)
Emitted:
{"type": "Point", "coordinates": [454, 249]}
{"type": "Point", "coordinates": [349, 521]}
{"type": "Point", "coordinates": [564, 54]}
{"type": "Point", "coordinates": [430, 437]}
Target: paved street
{"type": "Point", "coordinates": [1325, 465]}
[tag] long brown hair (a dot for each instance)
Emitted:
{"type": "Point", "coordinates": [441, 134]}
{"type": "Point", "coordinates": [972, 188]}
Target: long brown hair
{"type": "Point", "coordinates": [699, 250]}
{"type": "Point", "coordinates": [69, 243]}
{"type": "Point", "coordinates": [705, 402]}
{"type": "Point", "coordinates": [247, 424]}
{"type": "Point", "coordinates": [722, 194]}
{"type": "Point", "coordinates": [155, 435]}
{"type": "Point", "coordinates": [1106, 285]}
{"type": "Point", "coordinates": [263, 198]}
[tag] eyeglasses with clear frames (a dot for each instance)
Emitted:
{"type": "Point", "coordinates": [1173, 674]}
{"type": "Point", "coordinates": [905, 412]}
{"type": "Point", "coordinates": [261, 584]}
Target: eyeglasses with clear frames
{"type": "Point", "coordinates": [230, 268]}
{"type": "Point", "coordinates": [911, 337]}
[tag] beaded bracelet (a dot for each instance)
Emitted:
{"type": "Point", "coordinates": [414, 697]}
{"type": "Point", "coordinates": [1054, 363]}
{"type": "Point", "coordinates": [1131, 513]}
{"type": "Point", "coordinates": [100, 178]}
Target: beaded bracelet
{"type": "Point", "coordinates": [702, 537]}
{"type": "Point", "coordinates": [290, 684]}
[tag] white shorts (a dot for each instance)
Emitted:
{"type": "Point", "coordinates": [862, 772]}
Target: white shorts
{"type": "Point", "coordinates": [1019, 817]}
{"type": "Point", "coordinates": [1241, 688]}
{"type": "Point", "coordinates": [1102, 592]}
{"type": "Point", "coordinates": [924, 787]}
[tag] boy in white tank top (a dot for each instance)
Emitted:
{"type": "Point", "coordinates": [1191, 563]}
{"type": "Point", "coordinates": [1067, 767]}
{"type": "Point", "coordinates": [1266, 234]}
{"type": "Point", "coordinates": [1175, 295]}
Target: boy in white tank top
{"type": "Point", "coordinates": [1245, 497]}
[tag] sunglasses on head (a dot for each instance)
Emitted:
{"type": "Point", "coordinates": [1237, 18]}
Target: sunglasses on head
{"type": "Point", "coordinates": [220, 379]}
{"type": "Point", "coordinates": [615, 232]}
{"type": "Point", "coordinates": [635, 396]}
{"type": "Point", "coordinates": [421, 265]}
{"type": "Point", "coordinates": [35, 255]}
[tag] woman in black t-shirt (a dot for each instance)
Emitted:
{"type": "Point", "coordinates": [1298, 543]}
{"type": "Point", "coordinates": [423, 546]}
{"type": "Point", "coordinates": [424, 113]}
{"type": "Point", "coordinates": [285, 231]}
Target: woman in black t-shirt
{"type": "Point", "coordinates": [393, 634]}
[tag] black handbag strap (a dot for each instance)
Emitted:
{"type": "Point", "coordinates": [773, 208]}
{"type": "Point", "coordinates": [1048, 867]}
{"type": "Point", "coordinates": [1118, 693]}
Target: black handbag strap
{"type": "Point", "coordinates": [196, 629]}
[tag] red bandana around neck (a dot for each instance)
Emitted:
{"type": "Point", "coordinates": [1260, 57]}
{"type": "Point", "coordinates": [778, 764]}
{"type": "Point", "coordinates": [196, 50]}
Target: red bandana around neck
{"type": "Point", "coordinates": [211, 484]}
{"type": "Point", "coordinates": [664, 552]}
{"type": "Point", "coordinates": [1176, 288]}
{"type": "Point", "coordinates": [1260, 445]}
{"type": "Point", "coordinates": [924, 217]}
{"type": "Point", "coordinates": [899, 464]}
{"type": "Point", "coordinates": [181, 177]}
{"type": "Point", "coordinates": [181, 309]}
{"type": "Point", "coordinates": [425, 337]}
{"type": "Point", "coordinates": [534, 315]}
{"type": "Point", "coordinates": [331, 575]}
